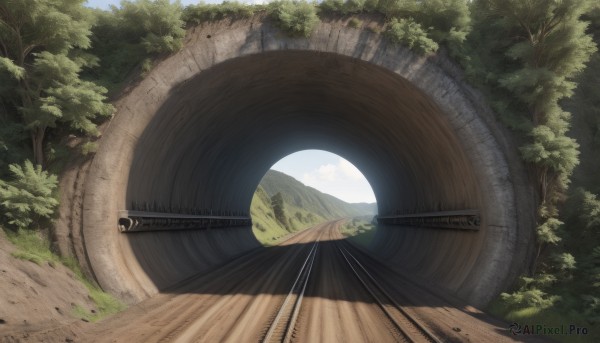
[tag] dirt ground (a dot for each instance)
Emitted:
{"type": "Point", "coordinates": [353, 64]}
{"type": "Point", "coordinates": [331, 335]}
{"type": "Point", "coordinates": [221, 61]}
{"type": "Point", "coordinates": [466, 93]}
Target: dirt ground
{"type": "Point", "coordinates": [238, 301]}
{"type": "Point", "coordinates": [37, 302]}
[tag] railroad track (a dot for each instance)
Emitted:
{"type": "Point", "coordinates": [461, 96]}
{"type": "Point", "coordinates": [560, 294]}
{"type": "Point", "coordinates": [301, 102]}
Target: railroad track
{"type": "Point", "coordinates": [407, 325]}
{"type": "Point", "coordinates": [282, 327]}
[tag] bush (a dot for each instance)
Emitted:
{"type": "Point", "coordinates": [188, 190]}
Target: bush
{"type": "Point", "coordinates": [29, 195]}
{"type": "Point", "coordinates": [355, 23]}
{"type": "Point", "coordinates": [297, 18]}
{"type": "Point", "coordinates": [410, 33]}
{"type": "Point", "coordinates": [197, 14]}
{"type": "Point", "coordinates": [158, 23]}
{"type": "Point", "coordinates": [89, 148]}
{"type": "Point", "coordinates": [344, 7]}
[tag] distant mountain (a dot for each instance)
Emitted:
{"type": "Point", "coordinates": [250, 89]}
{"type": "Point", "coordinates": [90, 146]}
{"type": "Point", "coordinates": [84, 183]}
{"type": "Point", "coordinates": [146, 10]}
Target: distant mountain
{"type": "Point", "coordinates": [303, 207]}
{"type": "Point", "coordinates": [367, 208]}
{"type": "Point", "coordinates": [296, 193]}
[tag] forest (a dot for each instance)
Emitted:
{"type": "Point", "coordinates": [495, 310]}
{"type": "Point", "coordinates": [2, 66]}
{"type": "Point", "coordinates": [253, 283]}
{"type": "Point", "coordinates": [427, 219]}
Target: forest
{"type": "Point", "coordinates": [536, 62]}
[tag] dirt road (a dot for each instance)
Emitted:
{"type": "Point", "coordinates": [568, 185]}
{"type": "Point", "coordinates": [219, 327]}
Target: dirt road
{"type": "Point", "coordinates": [239, 301]}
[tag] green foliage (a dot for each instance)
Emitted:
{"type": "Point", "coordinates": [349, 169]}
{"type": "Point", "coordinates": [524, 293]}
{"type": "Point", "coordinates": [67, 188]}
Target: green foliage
{"type": "Point", "coordinates": [564, 262]}
{"type": "Point", "coordinates": [527, 55]}
{"type": "Point", "coordinates": [9, 69]}
{"type": "Point", "coordinates": [127, 38]}
{"type": "Point", "coordinates": [106, 304]}
{"type": "Point", "coordinates": [593, 268]}
{"type": "Point", "coordinates": [31, 246]}
{"type": "Point", "coordinates": [591, 308]}
{"type": "Point", "coordinates": [530, 294]}
{"type": "Point", "coordinates": [29, 195]}
{"type": "Point", "coordinates": [410, 33]}
{"type": "Point", "coordinates": [157, 24]}
{"type": "Point", "coordinates": [297, 18]}
{"type": "Point", "coordinates": [551, 150]}
{"type": "Point", "coordinates": [279, 209]}
{"type": "Point", "coordinates": [12, 144]}
{"type": "Point", "coordinates": [41, 42]}
{"type": "Point", "coordinates": [530, 297]}
{"type": "Point", "coordinates": [66, 98]}
{"type": "Point", "coordinates": [119, 51]}
{"type": "Point", "coordinates": [343, 7]}
{"type": "Point", "coordinates": [355, 23]}
{"type": "Point", "coordinates": [591, 211]}
{"type": "Point", "coordinates": [197, 14]}
{"type": "Point", "coordinates": [420, 24]}
{"type": "Point", "coordinates": [88, 148]}
{"type": "Point", "coordinates": [547, 232]}
{"type": "Point", "coordinates": [55, 26]}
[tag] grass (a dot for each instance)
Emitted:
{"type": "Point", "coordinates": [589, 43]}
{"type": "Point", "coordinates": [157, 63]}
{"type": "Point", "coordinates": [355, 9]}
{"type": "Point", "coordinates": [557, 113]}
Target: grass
{"type": "Point", "coordinates": [551, 317]}
{"type": "Point", "coordinates": [32, 247]}
{"type": "Point", "coordinates": [267, 229]}
{"type": "Point", "coordinates": [360, 231]}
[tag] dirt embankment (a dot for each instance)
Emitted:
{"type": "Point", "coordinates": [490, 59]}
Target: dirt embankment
{"type": "Point", "coordinates": [38, 302]}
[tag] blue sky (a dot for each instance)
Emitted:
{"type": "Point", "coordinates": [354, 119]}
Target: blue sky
{"type": "Point", "coordinates": [328, 173]}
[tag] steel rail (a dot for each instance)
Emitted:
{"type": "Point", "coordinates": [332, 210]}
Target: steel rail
{"type": "Point", "coordinates": [281, 329]}
{"type": "Point", "coordinates": [428, 335]}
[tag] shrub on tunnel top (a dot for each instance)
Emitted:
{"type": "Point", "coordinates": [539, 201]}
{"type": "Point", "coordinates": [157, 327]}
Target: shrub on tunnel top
{"type": "Point", "coordinates": [298, 18]}
{"type": "Point", "coordinates": [197, 14]}
{"type": "Point", "coordinates": [343, 7]}
{"type": "Point", "coordinates": [158, 23]}
{"type": "Point", "coordinates": [410, 33]}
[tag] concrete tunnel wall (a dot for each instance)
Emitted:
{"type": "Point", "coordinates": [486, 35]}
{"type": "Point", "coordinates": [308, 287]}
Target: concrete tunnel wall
{"type": "Point", "coordinates": [206, 124]}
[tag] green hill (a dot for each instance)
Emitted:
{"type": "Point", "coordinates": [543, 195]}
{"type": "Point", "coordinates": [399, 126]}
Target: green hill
{"type": "Point", "coordinates": [302, 206]}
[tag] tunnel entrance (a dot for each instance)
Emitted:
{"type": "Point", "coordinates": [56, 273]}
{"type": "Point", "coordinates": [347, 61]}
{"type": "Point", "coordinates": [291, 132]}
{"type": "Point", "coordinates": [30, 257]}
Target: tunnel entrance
{"type": "Point", "coordinates": [199, 133]}
{"type": "Point", "coordinates": [307, 188]}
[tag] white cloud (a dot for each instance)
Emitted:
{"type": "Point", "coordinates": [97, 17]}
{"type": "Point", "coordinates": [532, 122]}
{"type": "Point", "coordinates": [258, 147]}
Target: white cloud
{"type": "Point", "coordinates": [350, 170]}
{"type": "Point", "coordinates": [342, 180]}
{"type": "Point", "coordinates": [327, 172]}
{"type": "Point", "coordinates": [309, 179]}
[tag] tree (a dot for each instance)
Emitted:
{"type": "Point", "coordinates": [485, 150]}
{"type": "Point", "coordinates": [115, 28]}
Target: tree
{"type": "Point", "coordinates": [278, 209]}
{"type": "Point", "coordinates": [28, 195]}
{"type": "Point", "coordinates": [410, 33]}
{"type": "Point", "coordinates": [41, 58]}
{"type": "Point", "coordinates": [545, 46]}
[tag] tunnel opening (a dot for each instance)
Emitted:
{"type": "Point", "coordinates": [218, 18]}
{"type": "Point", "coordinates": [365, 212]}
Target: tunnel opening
{"type": "Point", "coordinates": [199, 147]}
{"type": "Point", "coordinates": [307, 188]}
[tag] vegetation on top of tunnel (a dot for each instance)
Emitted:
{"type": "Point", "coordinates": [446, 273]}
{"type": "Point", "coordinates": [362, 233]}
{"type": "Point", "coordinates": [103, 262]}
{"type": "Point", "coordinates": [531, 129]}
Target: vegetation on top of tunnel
{"type": "Point", "coordinates": [281, 205]}
{"type": "Point", "coordinates": [59, 61]}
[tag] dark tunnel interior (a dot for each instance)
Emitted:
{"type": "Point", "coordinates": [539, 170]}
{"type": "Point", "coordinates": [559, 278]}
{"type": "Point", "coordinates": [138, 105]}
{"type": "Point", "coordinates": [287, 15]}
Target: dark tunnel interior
{"type": "Point", "coordinates": [215, 135]}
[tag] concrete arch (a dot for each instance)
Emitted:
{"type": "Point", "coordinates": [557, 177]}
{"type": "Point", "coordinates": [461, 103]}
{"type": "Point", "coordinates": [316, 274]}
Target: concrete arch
{"type": "Point", "coordinates": [206, 123]}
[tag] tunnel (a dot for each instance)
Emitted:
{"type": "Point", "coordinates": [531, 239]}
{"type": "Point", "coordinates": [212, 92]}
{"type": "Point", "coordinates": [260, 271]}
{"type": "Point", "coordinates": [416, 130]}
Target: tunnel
{"type": "Point", "coordinates": [203, 127]}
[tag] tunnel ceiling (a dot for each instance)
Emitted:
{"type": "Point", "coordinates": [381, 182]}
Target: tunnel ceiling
{"type": "Point", "coordinates": [245, 114]}
{"type": "Point", "coordinates": [202, 129]}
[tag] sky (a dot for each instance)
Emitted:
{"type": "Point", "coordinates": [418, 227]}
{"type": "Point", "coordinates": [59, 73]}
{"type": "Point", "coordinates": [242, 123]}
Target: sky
{"type": "Point", "coordinates": [329, 173]}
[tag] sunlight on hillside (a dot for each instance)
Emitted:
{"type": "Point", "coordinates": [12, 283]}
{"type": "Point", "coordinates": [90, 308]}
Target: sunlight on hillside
{"type": "Point", "coordinates": [306, 188]}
